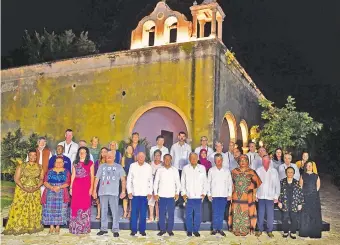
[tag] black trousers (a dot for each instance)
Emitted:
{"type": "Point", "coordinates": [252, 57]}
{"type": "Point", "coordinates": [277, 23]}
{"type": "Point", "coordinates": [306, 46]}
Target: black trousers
{"type": "Point", "coordinates": [292, 217]}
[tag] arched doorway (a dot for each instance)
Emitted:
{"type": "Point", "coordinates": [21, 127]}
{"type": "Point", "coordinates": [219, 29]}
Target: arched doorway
{"type": "Point", "coordinates": [158, 117]}
{"type": "Point", "coordinates": [228, 130]}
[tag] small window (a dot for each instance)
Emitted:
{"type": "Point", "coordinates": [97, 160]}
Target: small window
{"type": "Point", "coordinates": [152, 36]}
{"type": "Point", "coordinates": [173, 33]}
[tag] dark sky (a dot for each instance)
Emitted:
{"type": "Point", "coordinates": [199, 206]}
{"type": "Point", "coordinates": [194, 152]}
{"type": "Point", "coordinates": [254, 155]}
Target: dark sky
{"type": "Point", "coordinates": [287, 46]}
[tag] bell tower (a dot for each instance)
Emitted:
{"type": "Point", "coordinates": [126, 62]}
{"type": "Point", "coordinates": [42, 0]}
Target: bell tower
{"type": "Point", "coordinates": [207, 11]}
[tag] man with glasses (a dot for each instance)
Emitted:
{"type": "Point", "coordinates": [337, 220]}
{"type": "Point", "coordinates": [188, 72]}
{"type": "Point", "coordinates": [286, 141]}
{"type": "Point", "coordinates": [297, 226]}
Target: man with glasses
{"type": "Point", "coordinates": [204, 145]}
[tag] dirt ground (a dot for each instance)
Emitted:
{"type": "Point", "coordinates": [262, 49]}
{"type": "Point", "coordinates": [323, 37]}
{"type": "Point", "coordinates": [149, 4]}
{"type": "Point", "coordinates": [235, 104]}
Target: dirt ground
{"type": "Point", "coordinates": [330, 198]}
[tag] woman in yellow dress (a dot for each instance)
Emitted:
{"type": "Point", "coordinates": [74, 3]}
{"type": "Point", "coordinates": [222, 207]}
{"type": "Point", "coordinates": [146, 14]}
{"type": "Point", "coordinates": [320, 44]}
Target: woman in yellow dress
{"type": "Point", "coordinates": [303, 163]}
{"type": "Point", "coordinates": [26, 211]}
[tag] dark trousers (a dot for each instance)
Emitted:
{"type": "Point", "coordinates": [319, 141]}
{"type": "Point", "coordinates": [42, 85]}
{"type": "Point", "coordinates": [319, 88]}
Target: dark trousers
{"type": "Point", "coordinates": [218, 209]}
{"type": "Point", "coordinates": [292, 216]}
{"type": "Point", "coordinates": [193, 214]}
{"type": "Point", "coordinates": [266, 207]}
{"type": "Point", "coordinates": [166, 205]}
{"type": "Point", "coordinates": [139, 207]}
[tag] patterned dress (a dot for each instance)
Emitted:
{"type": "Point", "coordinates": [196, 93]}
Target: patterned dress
{"type": "Point", "coordinates": [55, 204]}
{"type": "Point", "coordinates": [242, 214]}
{"type": "Point", "coordinates": [25, 211]}
{"type": "Point", "coordinates": [80, 220]}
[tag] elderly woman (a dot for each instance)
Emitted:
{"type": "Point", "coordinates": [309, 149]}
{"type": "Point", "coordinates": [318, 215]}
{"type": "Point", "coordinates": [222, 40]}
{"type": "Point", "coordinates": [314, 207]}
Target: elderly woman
{"type": "Point", "coordinates": [242, 214]}
{"type": "Point", "coordinates": [25, 211]}
{"type": "Point", "coordinates": [290, 202]}
{"type": "Point", "coordinates": [56, 197]}
{"type": "Point", "coordinates": [81, 190]}
{"type": "Point", "coordinates": [113, 146]}
{"type": "Point", "coordinates": [311, 221]}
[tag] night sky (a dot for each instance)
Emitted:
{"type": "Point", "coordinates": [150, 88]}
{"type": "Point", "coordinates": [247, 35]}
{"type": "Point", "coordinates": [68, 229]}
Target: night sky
{"type": "Point", "coordinates": [289, 47]}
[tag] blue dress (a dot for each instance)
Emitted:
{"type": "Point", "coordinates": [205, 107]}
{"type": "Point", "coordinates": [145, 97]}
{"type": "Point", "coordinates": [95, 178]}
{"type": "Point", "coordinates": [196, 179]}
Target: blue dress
{"type": "Point", "coordinates": [55, 204]}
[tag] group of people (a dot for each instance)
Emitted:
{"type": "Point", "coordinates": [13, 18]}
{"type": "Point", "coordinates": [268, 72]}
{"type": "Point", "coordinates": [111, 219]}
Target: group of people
{"type": "Point", "coordinates": [59, 189]}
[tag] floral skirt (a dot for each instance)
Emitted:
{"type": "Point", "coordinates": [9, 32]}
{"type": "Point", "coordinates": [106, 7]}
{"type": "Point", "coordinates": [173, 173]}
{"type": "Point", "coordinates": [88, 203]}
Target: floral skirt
{"type": "Point", "coordinates": [81, 224]}
{"type": "Point", "coordinates": [24, 214]}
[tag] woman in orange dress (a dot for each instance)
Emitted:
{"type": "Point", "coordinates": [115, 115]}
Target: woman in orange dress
{"type": "Point", "coordinates": [242, 214]}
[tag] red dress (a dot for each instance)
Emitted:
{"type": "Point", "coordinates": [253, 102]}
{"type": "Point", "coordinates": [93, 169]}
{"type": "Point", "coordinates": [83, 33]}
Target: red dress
{"type": "Point", "coordinates": [80, 220]}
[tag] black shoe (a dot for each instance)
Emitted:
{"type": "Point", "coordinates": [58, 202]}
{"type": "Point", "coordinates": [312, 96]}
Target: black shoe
{"type": "Point", "coordinates": [285, 235]}
{"type": "Point", "coordinates": [213, 232]}
{"type": "Point", "coordinates": [132, 233]}
{"type": "Point", "coordinates": [189, 233]}
{"type": "Point", "coordinates": [161, 233]}
{"type": "Point", "coordinates": [221, 233]}
{"type": "Point", "coordinates": [142, 233]}
{"type": "Point", "coordinates": [115, 234]}
{"type": "Point", "coordinates": [101, 233]}
{"type": "Point", "coordinates": [293, 236]}
{"type": "Point", "coordinates": [171, 233]}
{"type": "Point", "coordinates": [197, 234]}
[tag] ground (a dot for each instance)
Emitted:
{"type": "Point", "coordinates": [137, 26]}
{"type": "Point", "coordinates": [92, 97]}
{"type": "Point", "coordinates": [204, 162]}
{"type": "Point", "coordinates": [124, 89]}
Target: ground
{"type": "Point", "coordinates": [330, 198]}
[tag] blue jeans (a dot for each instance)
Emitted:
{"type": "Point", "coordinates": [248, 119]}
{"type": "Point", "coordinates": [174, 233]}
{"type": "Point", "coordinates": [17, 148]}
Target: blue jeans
{"type": "Point", "coordinates": [166, 205]}
{"type": "Point", "coordinates": [193, 214]}
{"type": "Point", "coordinates": [218, 208]}
{"type": "Point", "coordinates": [266, 207]}
{"type": "Point", "coordinates": [139, 206]}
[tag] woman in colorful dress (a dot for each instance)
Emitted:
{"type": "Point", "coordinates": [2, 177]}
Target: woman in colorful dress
{"type": "Point", "coordinates": [290, 202]}
{"type": "Point", "coordinates": [311, 221]}
{"type": "Point", "coordinates": [55, 198]}
{"type": "Point", "coordinates": [127, 160]}
{"type": "Point", "coordinates": [302, 163]}
{"type": "Point", "coordinates": [102, 159]}
{"type": "Point", "coordinates": [153, 204]}
{"type": "Point", "coordinates": [242, 214]}
{"type": "Point", "coordinates": [203, 160]}
{"type": "Point", "coordinates": [114, 147]}
{"type": "Point", "coordinates": [81, 189]}
{"type": "Point", "coordinates": [94, 148]}
{"type": "Point", "coordinates": [25, 211]}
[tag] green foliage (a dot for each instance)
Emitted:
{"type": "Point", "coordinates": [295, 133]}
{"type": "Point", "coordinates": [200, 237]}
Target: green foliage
{"type": "Point", "coordinates": [50, 46]}
{"type": "Point", "coordinates": [14, 148]}
{"type": "Point", "coordinates": [285, 127]}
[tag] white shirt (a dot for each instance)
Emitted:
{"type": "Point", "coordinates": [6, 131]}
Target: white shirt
{"type": "Point", "coordinates": [270, 187]}
{"type": "Point", "coordinates": [139, 180]}
{"type": "Point", "coordinates": [164, 151]}
{"type": "Point", "coordinates": [167, 183]}
{"type": "Point", "coordinates": [282, 171]}
{"type": "Point", "coordinates": [180, 155]}
{"type": "Point", "coordinates": [225, 163]}
{"type": "Point", "coordinates": [219, 182]}
{"type": "Point", "coordinates": [255, 161]}
{"type": "Point", "coordinates": [194, 181]}
{"type": "Point", "coordinates": [70, 150]}
{"type": "Point", "coordinates": [209, 150]}
{"type": "Point", "coordinates": [155, 167]}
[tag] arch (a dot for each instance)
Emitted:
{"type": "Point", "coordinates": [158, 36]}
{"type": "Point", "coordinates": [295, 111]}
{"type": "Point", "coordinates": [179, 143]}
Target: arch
{"type": "Point", "coordinates": [141, 110]}
{"type": "Point", "coordinates": [169, 25]}
{"type": "Point", "coordinates": [232, 125]}
{"type": "Point", "coordinates": [148, 27]}
{"type": "Point", "coordinates": [244, 132]}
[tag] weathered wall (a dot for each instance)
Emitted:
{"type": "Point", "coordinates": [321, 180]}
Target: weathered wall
{"type": "Point", "coordinates": [233, 93]}
{"type": "Point", "coordinates": [86, 94]}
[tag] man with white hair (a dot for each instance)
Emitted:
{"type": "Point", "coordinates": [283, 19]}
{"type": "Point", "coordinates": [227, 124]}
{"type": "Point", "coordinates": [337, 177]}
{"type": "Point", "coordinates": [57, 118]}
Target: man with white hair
{"type": "Point", "coordinates": [204, 145]}
{"type": "Point", "coordinates": [255, 160]}
{"type": "Point", "coordinates": [218, 149]}
{"type": "Point", "coordinates": [139, 188]}
{"type": "Point", "coordinates": [288, 163]}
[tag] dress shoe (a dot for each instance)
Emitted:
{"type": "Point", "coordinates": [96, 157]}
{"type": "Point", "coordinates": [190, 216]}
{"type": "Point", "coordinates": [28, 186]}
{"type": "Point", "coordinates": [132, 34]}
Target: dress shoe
{"type": "Point", "coordinates": [142, 233]}
{"type": "Point", "coordinates": [221, 233]}
{"type": "Point", "coordinates": [115, 234]}
{"type": "Point", "coordinates": [258, 233]}
{"type": "Point", "coordinates": [189, 233]}
{"type": "Point", "coordinates": [132, 233]}
{"type": "Point", "coordinates": [213, 232]}
{"type": "Point", "coordinates": [197, 234]}
{"type": "Point", "coordinates": [293, 236]}
{"type": "Point", "coordinates": [101, 233]}
{"type": "Point", "coordinates": [171, 233]}
{"type": "Point", "coordinates": [270, 234]}
{"type": "Point", "coordinates": [161, 233]}
{"type": "Point", "coordinates": [285, 235]}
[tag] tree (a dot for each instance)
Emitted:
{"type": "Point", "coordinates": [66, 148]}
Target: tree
{"type": "Point", "coordinates": [285, 127]}
{"type": "Point", "coordinates": [47, 46]}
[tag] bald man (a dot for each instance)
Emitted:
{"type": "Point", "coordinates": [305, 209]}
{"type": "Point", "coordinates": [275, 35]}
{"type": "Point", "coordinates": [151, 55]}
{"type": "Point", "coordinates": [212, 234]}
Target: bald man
{"type": "Point", "coordinates": [139, 187]}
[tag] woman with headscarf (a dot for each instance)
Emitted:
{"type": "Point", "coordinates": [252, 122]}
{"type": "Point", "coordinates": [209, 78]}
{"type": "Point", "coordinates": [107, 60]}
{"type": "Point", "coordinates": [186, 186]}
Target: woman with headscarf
{"type": "Point", "coordinates": [55, 198]}
{"type": "Point", "coordinates": [81, 190]}
{"type": "Point", "coordinates": [127, 160]}
{"type": "Point", "coordinates": [242, 214]}
{"type": "Point", "coordinates": [114, 147]}
{"type": "Point", "coordinates": [25, 211]}
{"type": "Point", "coordinates": [101, 160]}
{"type": "Point", "coordinates": [204, 160]}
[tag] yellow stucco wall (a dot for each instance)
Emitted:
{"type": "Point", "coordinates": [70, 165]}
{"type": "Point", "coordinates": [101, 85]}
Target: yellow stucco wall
{"type": "Point", "coordinates": [49, 104]}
